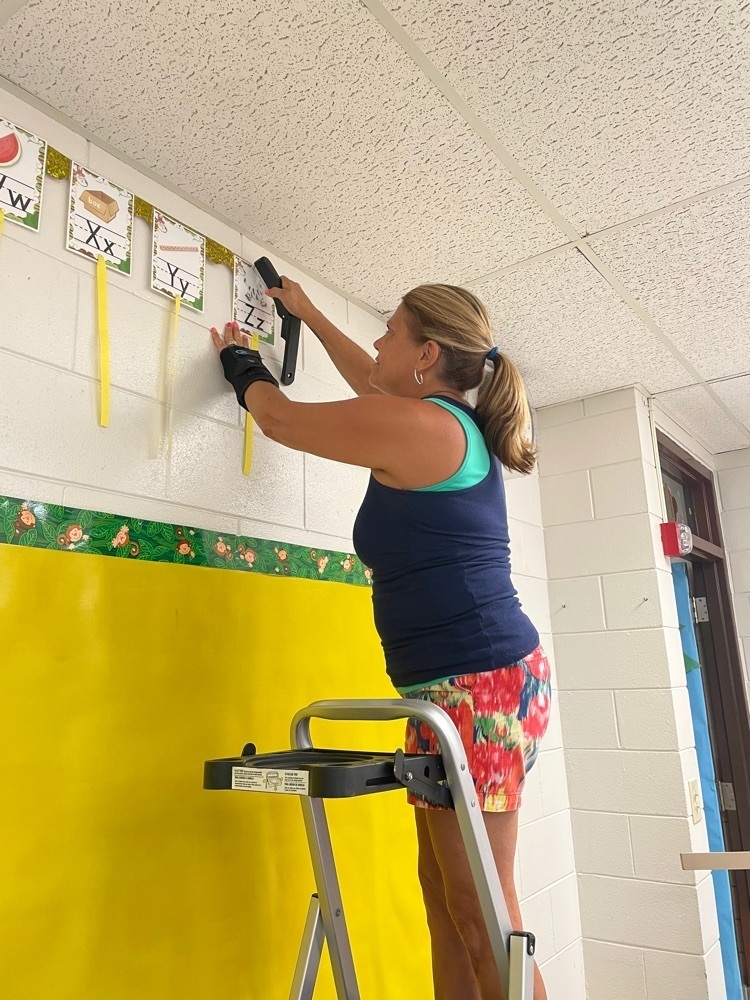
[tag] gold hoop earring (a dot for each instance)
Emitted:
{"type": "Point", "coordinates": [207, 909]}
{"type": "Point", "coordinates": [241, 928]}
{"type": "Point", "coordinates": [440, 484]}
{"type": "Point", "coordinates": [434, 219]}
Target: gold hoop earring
{"type": "Point", "coordinates": [418, 377]}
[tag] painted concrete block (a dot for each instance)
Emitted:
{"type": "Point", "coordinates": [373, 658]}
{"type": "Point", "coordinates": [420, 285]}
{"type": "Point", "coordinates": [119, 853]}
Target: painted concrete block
{"type": "Point", "coordinates": [735, 526]}
{"type": "Point", "coordinates": [363, 327]}
{"type": "Point", "coordinates": [638, 913]}
{"type": "Point", "coordinates": [30, 488]}
{"type": "Point", "coordinates": [614, 972]}
{"type": "Point", "coordinates": [561, 413]}
{"type": "Point", "coordinates": [576, 605]}
{"type": "Point", "coordinates": [39, 297]}
{"type": "Point", "coordinates": [602, 843]}
{"type": "Point", "coordinates": [563, 974]}
{"type": "Point", "coordinates": [206, 471]}
{"type": "Point", "coordinates": [333, 494]}
{"type": "Point", "coordinates": [583, 444]}
{"type": "Point", "coordinates": [532, 593]}
{"type": "Point", "coordinates": [654, 720]}
{"type": "Point", "coordinates": [643, 782]}
{"type": "Point", "coordinates": [72, 447]}
{"type": "Point", "coordinates": [733, 459]}
{"type": "Point", "coordinates": [588, 719]}
{"type": "Point", "coordinates": [644, 599]}
{"type": "Point", "coordinates": [606, 402]}
{"type": "Point", "coordinates": [646, 658]}
{"type": "Point", "coordinates": [540, 866]}
{"type": "Point", "coordinates": [523, 499]}
{"type": "Point", "coordinates": [566, 498]}
{"type": "Point", "coordinates": [625, 488]}
{"type": "Point", "coordinates": [551, 766]}
{"type": "Point", "coordinates": [734, 486]}
{"type": "Point", "coordinates": [565, 912]}
{"type": "Point", "coordinates": [658, 842]}
{"type": "Point", "coordinates": [739, 563]}
{"type": "Point", "coordinates": [138, 333]}
{"type": "Point", "coordinates": [615, 545]}
{"type": "Point", "coordinates": [671, 976]}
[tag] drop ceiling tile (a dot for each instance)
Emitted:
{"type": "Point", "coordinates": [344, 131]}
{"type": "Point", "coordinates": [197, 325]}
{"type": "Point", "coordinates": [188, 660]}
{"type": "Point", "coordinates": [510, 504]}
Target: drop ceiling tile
{"type": "Point", "coordinates": [306, 124]}
{"type": "Point", "coordinates": [700, 415]}
{"type": "Point", "coordinates": [735, 392]}
{"type": "Point", "coordinates": [691, 270]}
{"type": "Point", "coordinates": [571, 335]}
{"type": "Point", "coordinates": [614, 108]}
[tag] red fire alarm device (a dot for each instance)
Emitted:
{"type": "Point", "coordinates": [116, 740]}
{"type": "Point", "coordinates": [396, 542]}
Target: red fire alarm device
{"type": "Point", "coordinates": [676, 538]}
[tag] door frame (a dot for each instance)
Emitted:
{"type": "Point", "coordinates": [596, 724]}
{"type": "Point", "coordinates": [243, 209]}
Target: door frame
{"type": "Point", "coordinates": [722, 673]}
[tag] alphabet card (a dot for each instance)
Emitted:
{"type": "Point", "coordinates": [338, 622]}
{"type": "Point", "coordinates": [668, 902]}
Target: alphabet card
{"type": "Point", "coordinates": [22, 159]}
{"type": "Point", "coordinates": [100, 219]}
{"type": "Point", "coordinates": [178, 262]}
{"type": "Point", "coordinates": [253, 309]}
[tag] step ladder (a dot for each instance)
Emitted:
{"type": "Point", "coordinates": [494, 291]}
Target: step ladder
{"type": "Point", "coordinates": [315, 774]}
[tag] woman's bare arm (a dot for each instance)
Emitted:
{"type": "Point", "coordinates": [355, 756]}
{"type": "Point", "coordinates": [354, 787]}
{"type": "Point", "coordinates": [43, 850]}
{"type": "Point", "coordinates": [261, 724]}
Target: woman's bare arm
{"type": "Point", "coordinates": [352, 362]}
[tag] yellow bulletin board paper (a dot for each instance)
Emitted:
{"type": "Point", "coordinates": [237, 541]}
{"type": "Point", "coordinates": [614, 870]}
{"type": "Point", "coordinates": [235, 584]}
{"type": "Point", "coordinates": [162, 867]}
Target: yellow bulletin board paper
{"type": "Point", "coordinates": [122, 878]}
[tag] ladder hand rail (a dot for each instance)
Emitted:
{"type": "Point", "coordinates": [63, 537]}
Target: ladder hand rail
{"type": "Point", "coordinates": [468, 813]}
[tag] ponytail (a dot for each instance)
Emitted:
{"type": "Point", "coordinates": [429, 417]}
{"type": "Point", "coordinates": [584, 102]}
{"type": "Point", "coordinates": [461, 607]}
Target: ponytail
{"type": "Point", "coordinates": [503, 410]}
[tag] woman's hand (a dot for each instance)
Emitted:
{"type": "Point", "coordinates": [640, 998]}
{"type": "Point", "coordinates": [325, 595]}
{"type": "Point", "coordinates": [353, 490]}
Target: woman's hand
{"type": "Point", "coordinates": [293, 298]}
{"type": "Point", "coordinates": [242, 365]}
{"type": "Point", "coordinates": [231, 335]}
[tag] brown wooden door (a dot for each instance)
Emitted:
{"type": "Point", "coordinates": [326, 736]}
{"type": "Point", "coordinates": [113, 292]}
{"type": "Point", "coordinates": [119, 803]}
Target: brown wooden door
{"type": "Point", "coordinates": [690, 498]}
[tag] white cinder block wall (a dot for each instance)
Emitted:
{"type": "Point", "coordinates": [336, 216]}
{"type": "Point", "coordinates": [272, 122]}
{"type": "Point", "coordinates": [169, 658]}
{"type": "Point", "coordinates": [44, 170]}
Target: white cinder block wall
{"type": "Point", "coordinates": [734, 496]}
{"type": "Point", "coordinates": [545, 868]}
{"type": "Point", "coordinates": [649, 929]}
{"type": "Point", "coordinates": [51, 449]}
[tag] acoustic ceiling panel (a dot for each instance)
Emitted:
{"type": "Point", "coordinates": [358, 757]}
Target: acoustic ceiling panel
{"type": "Point", "coordinates": [691, 270]}
{"type": "Point", "coordinates": [615, 108]}
{"type": "Point", "coordinates": [571, 335]}
{"type": "Point", "coordinates": [735, 392]}
{"type": "Point", "coordinates": [701, 416]}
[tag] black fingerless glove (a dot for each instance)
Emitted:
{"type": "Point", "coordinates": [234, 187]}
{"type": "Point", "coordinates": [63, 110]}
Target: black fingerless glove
{"type": "Point", "coordinates": [242, 367]}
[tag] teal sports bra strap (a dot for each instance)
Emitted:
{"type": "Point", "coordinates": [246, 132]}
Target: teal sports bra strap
{"type": "Point", "coordinates": [476, 464]}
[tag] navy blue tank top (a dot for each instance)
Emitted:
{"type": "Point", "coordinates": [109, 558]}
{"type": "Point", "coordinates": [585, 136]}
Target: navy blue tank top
{"type": "Point", "coordinates": [442, 595]}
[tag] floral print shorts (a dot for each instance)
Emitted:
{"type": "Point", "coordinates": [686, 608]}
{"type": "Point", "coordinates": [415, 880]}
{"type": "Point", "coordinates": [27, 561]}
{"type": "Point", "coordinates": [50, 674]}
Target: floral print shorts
{"type": "Point", "coordinates": [501, 715]}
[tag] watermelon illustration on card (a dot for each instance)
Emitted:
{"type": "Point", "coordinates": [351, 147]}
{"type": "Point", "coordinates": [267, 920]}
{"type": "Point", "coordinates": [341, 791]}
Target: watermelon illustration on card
{"type": "Point", "coordinates": [10, 145]}
{"type": "Point", "coordinates": [22, 159]}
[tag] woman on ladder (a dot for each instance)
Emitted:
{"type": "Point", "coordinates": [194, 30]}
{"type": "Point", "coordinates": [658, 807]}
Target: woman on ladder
{"type": "Point", "coordinates": [433, 528]}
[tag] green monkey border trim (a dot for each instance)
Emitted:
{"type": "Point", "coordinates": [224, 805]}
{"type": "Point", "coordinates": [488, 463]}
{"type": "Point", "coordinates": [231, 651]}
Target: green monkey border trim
{"type": "Point", "coordinates": [70, 529]}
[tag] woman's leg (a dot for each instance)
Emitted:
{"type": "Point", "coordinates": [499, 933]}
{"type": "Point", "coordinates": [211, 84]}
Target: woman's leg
{"type": "Point", "coordinates": [452, 972]}
{"type": "Point", "coordinates": [461, 897]}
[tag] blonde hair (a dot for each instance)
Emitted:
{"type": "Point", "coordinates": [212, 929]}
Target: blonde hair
{"type": "Point", "coordinates": [459, 323]}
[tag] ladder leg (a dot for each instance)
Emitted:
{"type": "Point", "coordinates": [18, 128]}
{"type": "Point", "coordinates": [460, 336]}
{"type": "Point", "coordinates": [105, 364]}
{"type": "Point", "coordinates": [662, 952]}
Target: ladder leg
{"type": "Point", "coordinates": [329, 894]}
{"type": "Point", "coordinates": [310, 951]}
{"type": "Point", "coordinates": [521, 960]}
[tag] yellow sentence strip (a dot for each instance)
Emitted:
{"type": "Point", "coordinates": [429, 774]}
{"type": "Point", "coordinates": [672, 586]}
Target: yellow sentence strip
{"type": "Point", "coordinates": [102, 312]}
{"type": "Point", "coordinates": [247, 459]}
{"type": "Point", "coordinates": [171, 374]}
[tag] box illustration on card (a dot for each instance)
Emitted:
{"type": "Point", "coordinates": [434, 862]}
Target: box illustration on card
{"type": "Point", "coordinates": [99, 203]}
